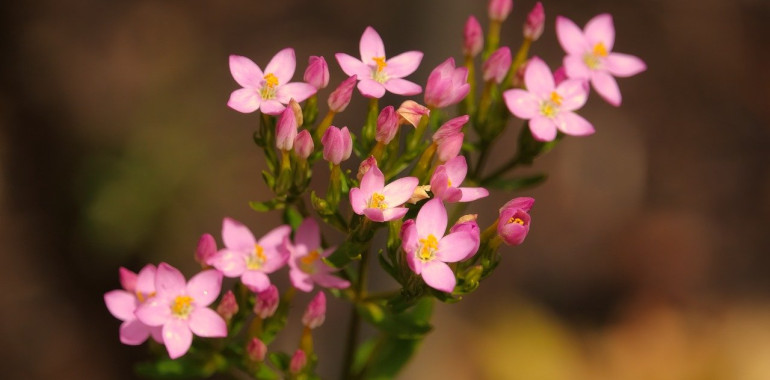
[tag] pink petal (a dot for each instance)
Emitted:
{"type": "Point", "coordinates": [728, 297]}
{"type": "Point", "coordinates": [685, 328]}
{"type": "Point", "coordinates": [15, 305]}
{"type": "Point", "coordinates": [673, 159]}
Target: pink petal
{"type": "Point", "coordinates": [600, 29]}
{"type": "Point", "coordinates": [371, 46]}
{"type": "Point", "coordinates": [244, 100]}
{"type": "Point", "coordinates": [230, 263]}
{"type": "Point", "coordinates": [177, 337]}
{"type": "Point", "coordinates": [538, 78]}
{"type": "Point", "coordinates": [154, 312]}
{"type": "Point", "coordinates": [245, 72]}
{"type": "Point", "coordinates": [127, 279]}
{"type": "Point", "coordinates": [372, 182]}
{"type": "Point", "coordinates": [276, 258]}
{"type": "Point", "coordinates": [607, 87]}
{"type": "Point", "coordinates": [204, 287]}
{"type": "Point", "coordinates": [272, 107]}
{"type": "Point", "coordinates": [145, 280]}
{"type": "Point", "coordinates": [301, 280]}
{"type": "Point", "coordinates": [404, 87]}
{"type": "Point", "coordinates": [282, 66]}
{"type": "Point", "coordinates": [522, 104]}
{"type": "Point", "coordinates": [352, 66]}
{"type": "Point", "coordinates": [573, 124]}
{"type": "Point", "coordinates": [133, 332]}
{"type": "Point", "coordinates": [456, 170]}
{"type": "Point", "coordinates": [576, 68]}
{"type": "Point", "coordinates": [570, 36]}
{"type": "Point", "coordinates": [439, 182]}
{"type": "Point", "coordinates": [409, 236]}
{"type": "Point", "coordinates": [156, 332]}
{"type": "Point", "coordinates": [255, 280]}
{"type": "Point", "coordinates": [358, 201]}
{"type": "Point", "coordinates": [472, 193]}
{"type": "Point", "coordinates": [121, 304]}
{"type": "Point", "coordinates": [403, 64]}
{"type": "Point", "coordinates": [455, 246]}
{"type": "Point", "coordinates": [386, 215]}
{"type": "Point", "coordinates": [330, 281]}
{"type": "Point", "coordinates": [399, 191]}
{"type": "Point", "coordinates": [624, 65]}
{"type": "Point", "coordinates": [439, 276]}
{"type": "Point", "coordinates": [236, 236]}
{"type": "Point", "coordinates": [542, 128]}
{"type": "Point", "coordinates": [169, 280]}
{"type": "Point", "coordinates": [371, 88]}
{"type": "Point", "coordinates": [432, 219]}
{"type": "Point", "coordinates": [207, 323]}
{"type": "Point", "coordinates": [274, 237]}
{"type": "Point", "coordinates": [308, 234]}
{"type": "Point", "coordinates": [298, 91]}
{"type": "Point", "coordinates": [574, 94]}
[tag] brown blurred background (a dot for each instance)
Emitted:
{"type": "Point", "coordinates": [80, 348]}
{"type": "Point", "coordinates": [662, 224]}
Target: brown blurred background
{"type": "Point", "coordinates": [648, 256]}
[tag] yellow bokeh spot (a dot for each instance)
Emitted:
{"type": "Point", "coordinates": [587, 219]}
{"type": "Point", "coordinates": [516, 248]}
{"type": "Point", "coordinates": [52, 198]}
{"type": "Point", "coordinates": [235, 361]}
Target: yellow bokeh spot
{"type": "Point", "coordinates": [556, 98]}
{"type": "Point", "coordinates": [182, 306]}
{"type": "Point", "coordinates": [600, 50]}
{"type": "Point", "coordinates": [380, 61]}
{"type": "Point", "coordinates": [378, 201]}
{"type": "Point", "coordinates": [271, 80]}
{"type": "Point", "coordinates": [428, 247]}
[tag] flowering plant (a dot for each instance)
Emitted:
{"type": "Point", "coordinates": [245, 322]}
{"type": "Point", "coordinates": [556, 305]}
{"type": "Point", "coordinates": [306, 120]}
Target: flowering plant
{"type": "Point", "coordinates": [403, 186]}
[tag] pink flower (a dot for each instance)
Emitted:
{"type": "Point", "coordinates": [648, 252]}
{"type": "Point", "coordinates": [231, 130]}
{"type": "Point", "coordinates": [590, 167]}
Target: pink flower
{"type": "Point", "coordinates": [364, 167]}
{"type": "Point", "coordinates": [303, 144]}
{"type": "Point", "coordinates": [337, 144]}
{"type": "Point", "coordinates": [267, 302]}
{"type": "Point", "coordinates": [306, 265]}
{"type": "Point", "coordinates": [268, 90]}
{"type": "Point", "coordinates": [450, 147]}
{"type": "Point", "coordinates": [376, 73]}
{"type": "Point", "coordinates": [590, 56]}
{"type": "Point", "coordinates": [340, 97]}
{"type": "Point", "coordinates": [446, 181]}
{"type": "Point", "coordinates": [137, 288]}
{"type": "Point", "coordinates": [411, 112]}
{"type": "Point", "coordinates": [249, 259]}
{"type": "Point", "coordinates": [499, 9]}
{"type": "Point", "coordinates": [298, 362]}
{"type": "Point", "coordinates": [181, 308]}
{"type": "Point", "coordinates": [286, 130]}
{"type": "Point", "coordinates": [428, 250]}
{"type": "Point", "coordinates": [378, 202]}
{"type": "Point", "coordinates": [473, 37]}
{"type": "Point", "coordinates": [446, 85]}
{"type": "Point", "coordinates": [450, 128]}
{"type": "Point", "coordinates": [547, 106]}
{"type": "Point", "coordinates": [315, 314]}
{"type": "Point", "coordinates": [387, 125]}
{"type": "Point", "coordinates": [317, 72]}
{"type": "Point", "coordinates": [497, 65]}
{"type": "Point", "coordinates": [206, 249]}
{"type": "Point", "coordinates": [533, 28]}
{"type": "Point", "coordinates": [473, 229]}
{"type": "Point", "coordinates": [228, 306]}
{"type": "Point", "coordinates": [513, 224]}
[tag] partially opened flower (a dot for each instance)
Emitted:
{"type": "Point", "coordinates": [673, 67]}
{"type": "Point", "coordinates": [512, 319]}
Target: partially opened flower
{"type": "Point", "coordinates": [513, 224]}
{"type": "Point", "coordinates": [248, 258]}
{"type": "Point", "coordinates": [181, 308]}
{"type": "Point", "coordinates": [590, 56]}
{"type": "Point", "coordinates": [376, 73]}
{"type": "Point", "coordinates": [306, 265]}
{"type": "Point", "coordinates": [447, 85]}
{"type": "Point", "coordinates": [549, 107]}
{"type": "Point", "coordinates": [428, 250]}
{"type": "Point", "coordinates": [378, 202]}
{"type": "Point", "coordinates": [338, 145]}
{"type": "Point", "coordinates": [411, 112]}
{"type": "Point", "coordinates": [340, 97]}
{"type": "Point", "coordinates": [137, 288]}
{"type": "Point", "coordinates": [270, 90]}
{"type": "Point", "coordinates": [446, 181]}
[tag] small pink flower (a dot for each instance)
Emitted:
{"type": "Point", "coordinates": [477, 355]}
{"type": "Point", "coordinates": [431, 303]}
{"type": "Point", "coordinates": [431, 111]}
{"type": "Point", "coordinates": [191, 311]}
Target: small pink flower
{"type": "Point", "coordinates": [206, 249]}
{"type": "Point", "coordinates": [513, 224]}
{"type": "Point", "coordinates": [228, 306]}
{"type": "Point", "coordinates": [447, 85]}
{"type": "Point", "coordinates": [317, 72]}
{"type": "Point", "coordinates": [378, 202]}
{"type": "Point", "coordinates": [499, 9]}
{"type": "Point", "coordinates": [428, 250]}
{"type": "Point", "coordinates": [306, 266]}
{"type": "Point", "coordinates": [249, 259]}
{"type": "Point", "coordinates": [267, 302]}
{"type": "Point", "coordinates": [376, 73]}
{"type": "Point", "coordinates": [450, 128]}
{"type": "Point", "coordinates": [315, 314]}
{"type": "Point", "coordinates": [473, 37]}
{"type": "Point", "coordinates": [446, 181]}
{"type": "Point", "coordinates": [590, 56]}
{"type": "Point", "coordinates": [497, 65]}
{"type": "Point", "coordinates": [450, 147]}
{"type": "Point", "coordinates": [387, 125]}
{"type": "Point", "coordinates": [137, 288]}
{"type": "Point", "coordinates": [547, 106]}
{"type": "Point", "coordinates": [298, 362]}
{"type": "Point", "coordinates": [181, 308]}
{"type": "Point", "coordinates": [338, 144]}
{"type": "Point", "coordinates": [340, 97]}
{"type": "Point", "coordinates": [257, 350]}
{"type": "Point", "coordinates": [303, 144]}
{"type": "Point", "coordinates": [473, 229]}
{"type": "Point", "coordinates": [286, 130]}
{"type": "Point", "coordinates": [533, 28]}
{"type": "Point", "coordinates": [269, 90]}
{"type": "Point", "coordinates": [411, 112]}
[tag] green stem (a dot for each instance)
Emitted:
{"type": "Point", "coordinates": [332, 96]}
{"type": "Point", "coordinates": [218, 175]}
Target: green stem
{"type": "Point", "coordinates": [512, 163]}
{"type": "Point", "coordinates": [493, 38]}
{"type": "Point", "coordinates": [355, 318]}
{"type": "Point", "coordinates": [325, 123]}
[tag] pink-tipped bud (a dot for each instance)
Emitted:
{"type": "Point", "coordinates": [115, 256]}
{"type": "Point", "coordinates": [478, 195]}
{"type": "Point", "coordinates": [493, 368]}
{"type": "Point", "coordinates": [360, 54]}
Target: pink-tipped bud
{"type": "Point", "coordinates": [365, 166]}
{"type": "Point", "coordinates": [257, 350]}
{"type": "Point", "coordinates": [447, 85]}
{"type": "Point", "coordinates": [468, 223]}
{"type": "Point", "coordinates": [298, 362]}
{"type": "Point", "coordinates": [286, 130]}
{"type": "Point", "coordinates": [473, 37]}
{"type": "Point", "coordinates": [340, 97]}
{"type": "Point", "coordinates": [127, 279]}
{"type": "Point", "coordinates": [387, 125]}
{"type": "Point", "coordinates": [267, 302]}
{"type": "Point", "coordinates": [317, 72]}
{"type": "Point", "coordinates": [315, 314]}
{"type": "Point", "coordinates": [559, 75]}
{"type": "Point", "coordinates": [303, 144]}
{"type": "Point", "coordinates": [337, 144]}
{"type": "Point", "coordinates": [206, 249]}
{"type": "Point", "coordinates": [533, 28]}
{"type": "Point", "coordinates": [500, 9]}
{"type": "Point", "coordinates": [228, 306]}
{"type": "Point", "coordinates": [497, 65]}
{"type": "Point", "coordinates": [450, 147]}
{"type": "Point", "coordinates": [450, 128]}
{"type": "Point", "coordinates": [513, 224]}
{"type": "Point", "coordinates": [411, 112]}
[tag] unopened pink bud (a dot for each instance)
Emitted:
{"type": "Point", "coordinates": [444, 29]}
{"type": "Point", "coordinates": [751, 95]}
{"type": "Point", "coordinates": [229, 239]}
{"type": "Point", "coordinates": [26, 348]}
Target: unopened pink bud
{"type": "Point", "coordinates": [315, 314]}
{"type": "Point", "coordinates": [411, 112]}
{"type": "Point", "coordinates": [365, 166]}
{"type": "Point", "coordinates": [450, 128]}
{"type": "Point", "coordinates": [303, 144]}
{"type": "Point", "coordinates": [387, 125]}
{"type": "Point", "coordinates": [500, 9]}
{"type": "Point", "coordinates": [468, 223]}
{"type": "Point", "coordinates": [317, 72]}
{"type": "Point", "coordinates": [286, 130]}
{"type": "Point", "coordinates": [473, 37]}
{"type": "Point", "coordinates": [298, 362]}
{"type": "Point", "coordinates": [127, 279]}
{"type": "Point", "coordinates": [340, 97]}
{"type": "Point", "coordinates": [267, 302]}
{"type": "Point", "coordinates": [257, 350]}
{"type": "Point", "coordinates": [513, 224]}
{"type": "Point", "coordinates": [447, 85]}
{"type": "Point", "coordinates": [497, 65]}
{"type": "Point", "coordinates": [533, 28]}
{"type": "Point", "coordinates": [560, 75]}
{"type": "Point", "coordinates": [450, 147]}
{"type": "Point", "coordinates": [206, 249]}
{"type": "Point", "coordinates": [228, 306]}
{"type": "Point", "coordinates": [337, 144]}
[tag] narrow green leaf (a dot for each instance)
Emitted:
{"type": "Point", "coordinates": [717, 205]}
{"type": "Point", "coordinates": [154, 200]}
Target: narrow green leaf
{"type": "Point", "coordinates": [273, 204]}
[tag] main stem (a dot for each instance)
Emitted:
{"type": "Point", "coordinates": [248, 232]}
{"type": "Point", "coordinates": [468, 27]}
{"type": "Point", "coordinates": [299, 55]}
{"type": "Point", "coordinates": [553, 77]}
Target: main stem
{"type": "Point", "coordinates": [355, 318]}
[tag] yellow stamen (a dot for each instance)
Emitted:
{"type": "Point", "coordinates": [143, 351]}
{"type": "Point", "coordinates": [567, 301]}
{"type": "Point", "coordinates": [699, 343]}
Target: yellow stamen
{"type": "Point", "coordinates": [448, 182]}
{"type": "Point", "coordinates": [142, 297]}
{"type": "Point", "coordinates": [548, 110]}
{"type": "Point", "coordinates": [600, 50]}
{"type": "Point", "coordinates": [310, 258]}
{"type": "Point", "coordinates": [380, 61]}
{"type": "Point", "coordinates": [256, 260]}
{"type": "Point", "coordinates": [271, 80]}
{"type": "Point", "coordinates": [556, 98]}
{"type": "Point", "coordinates": [516, 220]}
{"type": "Point", "coordinates": [378, 201]}
{"type": "Point", "coordinates": [182, 306]}
{"type": "Point", "coordinates": [428, 248]}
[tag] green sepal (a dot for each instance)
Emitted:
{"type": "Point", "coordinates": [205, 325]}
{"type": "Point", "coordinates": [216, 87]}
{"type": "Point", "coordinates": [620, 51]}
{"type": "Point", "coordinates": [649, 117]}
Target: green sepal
{"type": "Point", "coordinates": [269, 179]}
{"type": "Point", "coordinates": [273, 204]}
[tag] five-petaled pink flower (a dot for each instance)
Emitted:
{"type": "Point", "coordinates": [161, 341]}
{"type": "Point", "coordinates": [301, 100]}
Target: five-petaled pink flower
{"type": "Point", "coordinates": [590, 56]}
{"type": "Point", "coordinates": [549, 107]}
{"type": "Point", "coordinates": [428, 250]}
{"type": "Point", "coordinates": [306, 266]}
{"type": "Point", "coordinates": [249, 259]}
{"type": "Point", "coordinates": [446, 181]}
{"type": "Point", "coordinates": [270, 90]}
{"type": "Point", "coordinates": [376, 73]}
{"type": "Point", "coordinates": [378, 202]}
{"type": "Point", "coordinates": [181, 308]}
{"type": "Point", "coordinates": [122, 304]}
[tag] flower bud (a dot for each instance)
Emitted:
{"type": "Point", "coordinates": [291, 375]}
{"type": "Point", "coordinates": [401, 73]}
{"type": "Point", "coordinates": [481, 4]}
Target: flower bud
{"type": "Point", "coordinates": [315, 314]}
{"type": "Point", "coordinates": [365, 166]}
{"type": "Point", "coordinates": [286, 130]}
{"type": "Point", "coordinates": [228, 306]}
{"type": "Point", "coordinates": [303, 144]}
{"type": "Point", "coordinates": [297, 111]}
{"type": "Point", "coordinates": [533, 27]}
{"type": "Point", "coordinates": [387, 125]}
{"type": "Point", "coordinates": [128, 279]}
{"type": "Point", "coordinates": [411, 112]}
{"type": "Point", "coordinates": [513, 224]}
{"type": "Point", "coordinates": [447, 85]}
{"type": "Point", "coordinates": [450, 147]}
{"type": "Point", "coordinates": [450, 128]}
{"type": "Point", "coordinates": [267, 302]}
{"type": "Point", "coordinates": [298, 362]}
{"type": "Point", "coordinates": [317, 72]}
{"type": "Point", "coordinates": [337, 144]}
{"type": "Point", "coordinates": [468, 223]}
{"type": "Point", "coordinates": [559, 75]}
{"type": "Point", "coordinates": [206, 249]}
{"type": "Point", "coordinates": [497, 65]}
{"type": "Point", "coordinates": [473, 37]}
{"type": "Point", "coordinates": [420, 193]}
{"type": "Point", "coordinates": [340, 97]}
{"type": "Point", "coordinates": [467, 218]}
{"type": "Point", "coordinates": [499, 9]}
{"type": "Point", "coordinates": [257, 350]}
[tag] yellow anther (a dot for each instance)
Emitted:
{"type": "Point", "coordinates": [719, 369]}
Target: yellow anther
{"type": "Point", "coordinates": [556, 98]}
{"type": "Point", "coordinates": [380, 61]}
{"type": "Point", "coordinates": [271, 80]}
{"type": "Point", "coordinates": [182, 306]}
{"type": "Point", "coordinates": [258, 259]}
{"type": "Point", "coordinates": [448, 182]}
{"type": "Point", "coordinates": [600, 50]}
{"type": "Point", "coordinates": [548, 110]}
{"type": "Point", "coordinates": [429, 246]}
{"type": "Point", "coordinates": [516, 220]}
{"type": "Point", "coordinates": [142, 297]}
{"type": "Point", "coordinates": [310, 257]}
{"type": "Point", "coordinates": [378, 201]}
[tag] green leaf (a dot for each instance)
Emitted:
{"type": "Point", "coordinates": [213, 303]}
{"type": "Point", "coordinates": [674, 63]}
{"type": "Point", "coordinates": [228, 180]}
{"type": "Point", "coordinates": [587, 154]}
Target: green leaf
{"type": "Point", "coordinates": [269, 179]}
{"type": "Point", "coordinates": [413, 323]}
{"type": "Point", "coordinates": [267, 205]}
{"type": "Point", "coordinates": [280, 360]}
{"type": "Point", "coordinates": [265, 373]}
{"type": "Point", "coordinates": [519, 183]}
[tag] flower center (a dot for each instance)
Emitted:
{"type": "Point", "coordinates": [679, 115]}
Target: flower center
{"type": "Point", "coordinates": [306, 262]}
{"type": "Point", "coordinates": [268, 90]}
{"type": "Point", "coordinates": [257, 258]}
{"type": "Point", "coordinates": [448, 182]}
{"type": "Point", "coordinates": [380, 62]}
{"type": "Point", "coordinates": [428, 247]}
{"type": "Point", "coordinates": [182, 306]}
{"type": "Point", "coordinates": [600, 50]}
{"type": "Point", "coordinates": [378, 201]}
{"type": "Point", "coordinates": [516, 220]}
{"type": "Point", "coordinates": [379, 75]}
{"type": "Point", "coordinates": [550, 107]}
{"type": "Point", "coordinates": [594, 59]}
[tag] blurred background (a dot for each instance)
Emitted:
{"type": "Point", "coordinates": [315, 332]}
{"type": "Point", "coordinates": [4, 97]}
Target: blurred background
{"type": "Point", "coordinates": [649, 252]}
